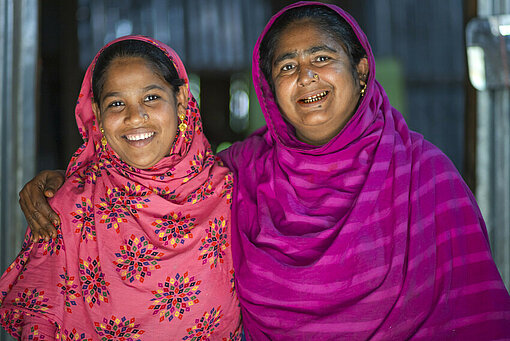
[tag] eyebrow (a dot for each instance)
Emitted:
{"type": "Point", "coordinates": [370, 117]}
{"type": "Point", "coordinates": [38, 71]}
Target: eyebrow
{"type": "Point", "coordinates": [311, 50]}
{"type": "Point", "coordinates": [152, 87]}
{"type": "Point", "coordinates": [147, 88]}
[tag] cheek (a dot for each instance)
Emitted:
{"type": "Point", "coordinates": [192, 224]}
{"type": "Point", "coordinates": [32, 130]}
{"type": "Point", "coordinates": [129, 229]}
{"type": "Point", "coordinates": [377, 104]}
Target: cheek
{"type": "Point", "coordinates": [110, 123]}
{"type": "Point", "coordinates": [169, 120]}
{"type": "Point", "coordinates": [281, 92]}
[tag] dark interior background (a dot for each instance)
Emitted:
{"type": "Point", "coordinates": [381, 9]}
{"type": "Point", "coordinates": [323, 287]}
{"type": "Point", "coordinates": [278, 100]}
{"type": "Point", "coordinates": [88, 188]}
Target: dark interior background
{"type": "Point", "coordinates": [419, 48]}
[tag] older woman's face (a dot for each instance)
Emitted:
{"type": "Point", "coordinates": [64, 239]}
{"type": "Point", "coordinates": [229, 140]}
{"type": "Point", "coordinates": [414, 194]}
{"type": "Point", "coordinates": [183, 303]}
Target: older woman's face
{"type": "Point", "coordinates": [315, 88]}
{"type": "Point", "coordinates": [138, 112]}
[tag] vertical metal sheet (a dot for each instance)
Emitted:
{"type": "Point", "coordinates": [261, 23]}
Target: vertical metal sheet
{"type": "Point", "coordinates": [426, 37]}
{"type": "Point", "coordinates": [209, 35]}
{"type": "Point", "coordinates": [493, 158]}
{"type": "Point", "coordinates": [501, 242]}
{"type": "Point", "coordinates": [6, 171]}
{"type": "Point", "coordinates": [18, 56]}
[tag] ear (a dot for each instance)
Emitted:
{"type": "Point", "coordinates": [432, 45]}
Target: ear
{"type": "Point", "coordinates": [363, 69]}
{"type": "Point", "coordinates": [97, 113]}
{"type": "Point", "coordinates": [182, 98]}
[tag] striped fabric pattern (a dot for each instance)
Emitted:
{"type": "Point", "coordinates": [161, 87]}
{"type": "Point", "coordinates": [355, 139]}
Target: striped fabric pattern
{"type": "Point", "coordinates": [372, 236]}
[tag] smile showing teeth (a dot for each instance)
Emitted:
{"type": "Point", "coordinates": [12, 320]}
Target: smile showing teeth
{"type": "Point", "coordinates": [315, 98]}
{"type": "Point", "coordinates": [138, 137]}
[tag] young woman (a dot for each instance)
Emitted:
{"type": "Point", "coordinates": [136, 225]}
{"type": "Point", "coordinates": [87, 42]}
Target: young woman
{"type": "Point", "coordinates": [143, 248]}
{"type": "Point", "coordinates": [346, 224]}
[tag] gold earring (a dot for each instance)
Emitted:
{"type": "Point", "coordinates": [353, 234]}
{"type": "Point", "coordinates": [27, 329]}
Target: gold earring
{"type": "Point", "coordinates": [103, 139]}
{"type": "Point", "coordinates": [363, 89]}
{"type": "Point", "coordinates": [182, 126]}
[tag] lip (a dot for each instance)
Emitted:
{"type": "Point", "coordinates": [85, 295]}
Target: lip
{"type": "Point", "coordinates": [139, 137]}
{"type": "Point", "coordinates": [313, 98]}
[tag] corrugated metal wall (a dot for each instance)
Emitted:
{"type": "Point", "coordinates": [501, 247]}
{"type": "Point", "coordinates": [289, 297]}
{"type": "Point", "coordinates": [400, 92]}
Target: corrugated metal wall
{"type": "Point", "coordinates": [18, 55]}
{"type": "Point", "coordinates": [212, 35]}
{"type": "Point", "coordinates": [427, 38]}
{"type": "Point", "coordinates": [493, 158]}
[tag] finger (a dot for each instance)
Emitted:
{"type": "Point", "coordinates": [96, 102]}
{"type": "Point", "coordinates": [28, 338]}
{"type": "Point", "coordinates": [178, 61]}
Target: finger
{"type": "Point", "coordinates": [27, 206]}
{"type": "Point", "coordinates": [46, 235]}
{"type": "Point", "coordinates": [36, 220]}
{"type": "Point", "coordinates": [35, 207]}
{"type": "Point", "coordinates": [52, 182]}
{"type": "Point", "coordinates": [33, 236]}
{"type": "Point", "coordinates": [48, 218]}
{"type": "Point", "coordinates": [37, 217]}
{"type": "Point", "coordinates": [33, 224]}
{"type": "Point", "coordinates": [35, 229]}
{"type": "Point", "coordinates": [33, 196]}
{"type": "Point", "coordinates": [50, 231]}
{"type": "Point", "coordinates": [49, 193]}
{"type": "Point", "coordinates": [43, 235]}
{"type": "Point", "coordinates": [49, 182]}
{"type": "Point", "coordinates": [38, 236]}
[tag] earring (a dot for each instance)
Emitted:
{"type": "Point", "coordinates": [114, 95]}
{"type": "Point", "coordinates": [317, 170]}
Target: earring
{"type": "Point", "coordinates": [182, 126]}
{"type": "Point", "coordinates": [363, 89]}
{"type": "Point", "coordinates": [103, 139]}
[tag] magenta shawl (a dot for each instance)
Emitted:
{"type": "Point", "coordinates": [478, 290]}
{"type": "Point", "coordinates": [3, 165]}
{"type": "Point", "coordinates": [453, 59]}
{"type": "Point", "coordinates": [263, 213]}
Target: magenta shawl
{"type": "Point", "coordinates": [140, 254]}
{"type": "Point", "coordinates": [371, 236]}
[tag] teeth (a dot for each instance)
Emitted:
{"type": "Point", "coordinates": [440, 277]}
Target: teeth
{"type": "Point", "coordinates": [139, 137]}
{"type": "Point", "coordinates": [315, 98]}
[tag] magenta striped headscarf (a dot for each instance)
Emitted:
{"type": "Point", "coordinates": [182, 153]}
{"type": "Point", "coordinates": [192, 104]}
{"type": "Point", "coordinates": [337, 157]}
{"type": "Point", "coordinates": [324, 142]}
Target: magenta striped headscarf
{"type": "Point", "coordinates": [371, 236]}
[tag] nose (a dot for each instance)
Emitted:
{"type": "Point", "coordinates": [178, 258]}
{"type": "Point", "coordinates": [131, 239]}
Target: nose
{"type": "Point", "coordinates": [306, 76]}
{"type": "Point", "coordinates": [134, 115]}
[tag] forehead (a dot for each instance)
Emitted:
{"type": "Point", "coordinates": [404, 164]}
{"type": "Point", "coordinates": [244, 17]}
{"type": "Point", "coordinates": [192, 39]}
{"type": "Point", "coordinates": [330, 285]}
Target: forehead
{"type": "Point", "coordinates": [303, 34]}
{"type": "Point", "coordinates": [130, 69]}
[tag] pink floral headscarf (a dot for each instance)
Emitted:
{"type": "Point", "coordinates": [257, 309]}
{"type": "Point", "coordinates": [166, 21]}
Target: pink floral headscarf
{"type": "Point", "coordinates": [140, 254]}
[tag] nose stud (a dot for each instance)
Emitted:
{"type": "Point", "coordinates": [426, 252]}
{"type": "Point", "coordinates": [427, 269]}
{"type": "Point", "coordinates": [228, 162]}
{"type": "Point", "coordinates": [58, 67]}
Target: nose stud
{"type": "Point", "coordinates": [145, 117]}
{"type": "Point", "coordinates": [316, 76]}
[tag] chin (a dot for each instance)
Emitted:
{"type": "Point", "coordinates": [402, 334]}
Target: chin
{"type": "Point", "coordinates": [141, 165]}
{"type": "Point", "coordinates": [315, 119]}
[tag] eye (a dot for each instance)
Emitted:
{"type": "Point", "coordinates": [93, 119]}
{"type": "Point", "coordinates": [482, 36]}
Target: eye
{"type": "Point", "coordinates": [287, 67]}
{"type": "Point", "coordinates": [149, 98]}
{"type": "Point", "coordinates": [115, 104]}
{"type": "Point", "coordinates": [322, 58]}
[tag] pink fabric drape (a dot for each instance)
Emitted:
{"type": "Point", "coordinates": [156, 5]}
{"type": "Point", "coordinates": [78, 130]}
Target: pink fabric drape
{"type": "Point", "coordinates": [372, 236]}
{"type": "Point", "coordinates": [140, 254]}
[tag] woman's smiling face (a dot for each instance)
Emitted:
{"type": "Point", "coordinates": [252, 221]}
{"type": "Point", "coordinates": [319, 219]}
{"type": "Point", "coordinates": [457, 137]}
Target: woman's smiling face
{"type": "Point", "coordinates": [315, 87]}
{"type": "Point", "coordinates": [138, 112]}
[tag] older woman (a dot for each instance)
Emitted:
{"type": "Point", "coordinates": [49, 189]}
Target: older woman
{"type": "Point", "coordinates": [346, 224]}
{"type": "Point", "coordinates": [143, 248]}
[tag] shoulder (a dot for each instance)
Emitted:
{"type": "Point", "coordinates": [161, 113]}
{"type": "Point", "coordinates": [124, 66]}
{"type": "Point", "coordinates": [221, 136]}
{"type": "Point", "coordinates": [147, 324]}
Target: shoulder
{"type": "Point", "coordinates": [429, 159]}
{"type": "Point", "coordinates": [73, 191]}
{"type": "Point", "coordinates": [246, 151]}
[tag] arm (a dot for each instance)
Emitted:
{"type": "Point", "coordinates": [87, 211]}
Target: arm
{"type": "Point", "coordinates": [32, 199]}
